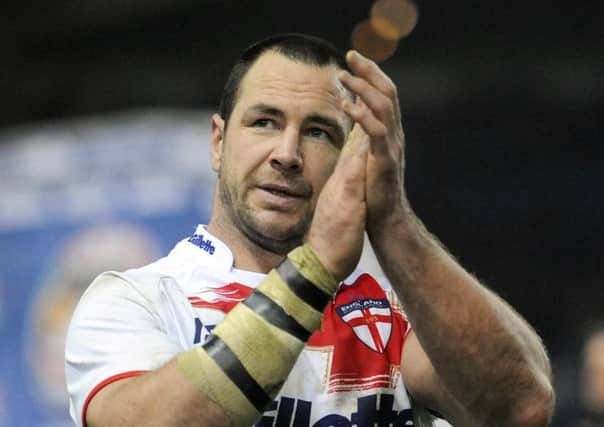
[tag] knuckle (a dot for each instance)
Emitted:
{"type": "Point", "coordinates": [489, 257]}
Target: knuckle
{"type": "Point", "coordinates": [364, 113]}
{"type": "Point", "coordinates": [365, 66]}
{"type": "Point", "coordinates": [384, 107]}
{"type": "Point", "coordinates": [381, 131]}
{"type": "Point", "coordinates": [372, 65]}
{"type": "Point", "coordinates": [357, 114]}
{"type": "Point", "coordinates": [390, 90]}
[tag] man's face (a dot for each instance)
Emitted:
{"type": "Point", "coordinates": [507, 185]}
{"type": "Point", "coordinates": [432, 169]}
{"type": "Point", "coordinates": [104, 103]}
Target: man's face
{"type": "Point", "coordinates": [279, 148]}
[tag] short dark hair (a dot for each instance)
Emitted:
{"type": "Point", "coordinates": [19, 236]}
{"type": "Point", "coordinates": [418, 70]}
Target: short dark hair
{"type": "Point", "coordinates": [299, 47]}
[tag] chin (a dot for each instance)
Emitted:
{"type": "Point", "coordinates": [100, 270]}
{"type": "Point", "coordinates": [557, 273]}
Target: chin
{"type": "Point", "coordinates": [276, 234]}
{"type": "Point", "coordinates": [282, 232]}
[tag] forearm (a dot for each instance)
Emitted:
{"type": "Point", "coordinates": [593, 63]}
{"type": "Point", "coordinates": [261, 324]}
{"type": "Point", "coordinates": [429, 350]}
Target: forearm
{"type": "Point", "coordinates": [486, 354]}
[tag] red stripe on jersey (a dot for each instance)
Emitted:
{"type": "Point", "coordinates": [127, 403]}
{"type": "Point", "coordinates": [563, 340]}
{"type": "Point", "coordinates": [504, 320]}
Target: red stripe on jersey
{"type": "Point", "coordinates": [223, 298]}
{"type": "Point", "coordinates": [102, 385]}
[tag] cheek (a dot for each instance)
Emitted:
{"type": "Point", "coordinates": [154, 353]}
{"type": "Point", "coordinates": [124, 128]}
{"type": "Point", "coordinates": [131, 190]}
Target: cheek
{"type": "Point", "coordinates": [239, 162]}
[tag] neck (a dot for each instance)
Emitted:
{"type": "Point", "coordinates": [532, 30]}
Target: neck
{"type": "Point", "coordinates": [247, 255]}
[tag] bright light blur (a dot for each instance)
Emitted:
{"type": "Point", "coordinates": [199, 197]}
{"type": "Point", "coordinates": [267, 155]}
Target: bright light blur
{"type": "Point", "coordinates": [389, 21]}
{"type": "Point", "coordinates": [371, 44]}
{"type": "Point", "coordinates": [394, 19]}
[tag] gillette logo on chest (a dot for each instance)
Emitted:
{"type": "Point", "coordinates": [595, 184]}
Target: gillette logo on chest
{"type": "Point", "coordinates": [206, 245]}
{"type": "Point", "coordinates": [373, 410]}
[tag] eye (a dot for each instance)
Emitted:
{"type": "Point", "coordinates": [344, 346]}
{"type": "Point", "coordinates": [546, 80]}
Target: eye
{"type": "Point", "coordinates": [319, 133]}
{"type": "Point", "coordinates": [264, 123]}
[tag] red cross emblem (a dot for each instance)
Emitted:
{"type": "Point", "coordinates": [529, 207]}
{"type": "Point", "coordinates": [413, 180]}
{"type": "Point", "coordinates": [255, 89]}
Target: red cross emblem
{"type": "Point", "coordinates": [371, 321]}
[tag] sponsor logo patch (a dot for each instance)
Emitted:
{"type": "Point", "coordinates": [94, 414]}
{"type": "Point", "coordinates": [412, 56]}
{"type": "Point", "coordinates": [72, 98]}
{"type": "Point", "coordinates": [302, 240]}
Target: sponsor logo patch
{"type": "Point", "coordinates": [205, 244]}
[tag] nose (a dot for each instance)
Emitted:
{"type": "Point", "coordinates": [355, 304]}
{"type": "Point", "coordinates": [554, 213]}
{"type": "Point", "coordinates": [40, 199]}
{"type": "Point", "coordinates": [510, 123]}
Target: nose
{"type": "Point", "coordinates": [286, 156]}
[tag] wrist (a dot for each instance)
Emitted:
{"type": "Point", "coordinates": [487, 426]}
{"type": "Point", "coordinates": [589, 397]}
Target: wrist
{"type": "Point", "coordinates": [400, 230]}
{"type": "Point", "coordinates": [399, 218]}
{"type": "Point", "coordinates": [308, 264]}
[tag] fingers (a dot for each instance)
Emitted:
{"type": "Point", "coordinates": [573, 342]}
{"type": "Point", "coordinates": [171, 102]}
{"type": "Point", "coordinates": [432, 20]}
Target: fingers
{"type": "Point", "coordinates": [372, 125]}
{"type": "Point", "coordinates": [349, 172]}
{"type": "Point", "coordinates": [373, 98]}
{"type": "Point", "coordinates": [373, 86]}
{"type": "Point", "coordinates": [370, 71]}
{"type": "Point", "coordinates": [362, 115]}
{"type": "Point", "coordinates": [354, 153]}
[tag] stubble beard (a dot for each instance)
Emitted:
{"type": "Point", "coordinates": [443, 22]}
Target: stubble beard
{"type": "Point", "coordinates": [243, 218]}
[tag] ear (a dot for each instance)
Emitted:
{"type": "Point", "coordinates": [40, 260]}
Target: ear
{"type": "Point", "coordinates": [217, 141]}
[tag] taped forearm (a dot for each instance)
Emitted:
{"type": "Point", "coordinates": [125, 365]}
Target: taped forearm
{"type": "Point", "coordinates": [246, 360]}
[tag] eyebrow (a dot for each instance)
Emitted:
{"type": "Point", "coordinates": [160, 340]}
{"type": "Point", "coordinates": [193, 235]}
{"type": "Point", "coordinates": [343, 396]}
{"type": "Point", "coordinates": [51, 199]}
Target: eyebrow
{"type": "Point", "coordinates": [328, 122]}
{"type": "Point", "coordinates": [315, 118]}
{"type": "Point", "coordinates": [267, 109]}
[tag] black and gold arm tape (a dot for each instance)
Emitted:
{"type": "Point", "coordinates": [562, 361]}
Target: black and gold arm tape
{"type": "Point", "coordinates": [301, 286]}
{"type": "Point", "coordinates": [274, 314]}
{"type": "Point", "coordinates": [249, 355]}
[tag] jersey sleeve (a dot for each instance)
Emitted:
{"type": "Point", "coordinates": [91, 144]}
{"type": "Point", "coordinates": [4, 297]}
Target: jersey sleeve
{"type": "Point", "coordinates": [395, 303]}
{"type": "Point", "coordinates": [115, 333]}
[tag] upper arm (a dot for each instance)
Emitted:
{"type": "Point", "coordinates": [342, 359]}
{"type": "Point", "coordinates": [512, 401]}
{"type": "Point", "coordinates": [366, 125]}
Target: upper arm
{"type": "Point", "coordinates": [114, 334]}
{"type": "Point", "coordinates": [426, 387]}
{"type": "Point", "coordinates": [162, 397]}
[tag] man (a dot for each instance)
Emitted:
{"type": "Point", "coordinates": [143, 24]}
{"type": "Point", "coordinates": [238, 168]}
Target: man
{"type": "Point", "coordinates": [308, 148]}
{"type": "Point", "coordinates": [591, 397]}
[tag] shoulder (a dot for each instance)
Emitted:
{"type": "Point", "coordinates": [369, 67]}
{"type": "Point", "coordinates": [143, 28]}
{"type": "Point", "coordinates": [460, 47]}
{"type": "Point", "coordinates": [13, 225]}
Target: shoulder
{"type": "Point", "coordinates": [132, 284]}
{"type": "Point", "coordinates": [135, 290]}
{"type": "Point", "coordinates": [145, 281]}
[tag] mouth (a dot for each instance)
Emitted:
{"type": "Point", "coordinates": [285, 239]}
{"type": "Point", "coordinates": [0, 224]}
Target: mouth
{"type": "Point", "coordinates": [283, 191]}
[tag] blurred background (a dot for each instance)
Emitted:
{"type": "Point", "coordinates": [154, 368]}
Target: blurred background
{"type": "Point", "coordinates": [104, 123]}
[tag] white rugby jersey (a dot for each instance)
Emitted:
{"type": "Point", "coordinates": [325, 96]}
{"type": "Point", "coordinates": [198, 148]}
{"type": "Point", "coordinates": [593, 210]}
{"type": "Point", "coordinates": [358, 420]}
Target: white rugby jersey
{"type": "Point", "coordinates": [132, 322]}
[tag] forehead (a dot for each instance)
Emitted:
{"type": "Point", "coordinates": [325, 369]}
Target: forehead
{"type": "Point", "coordinates": [275, 78]}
